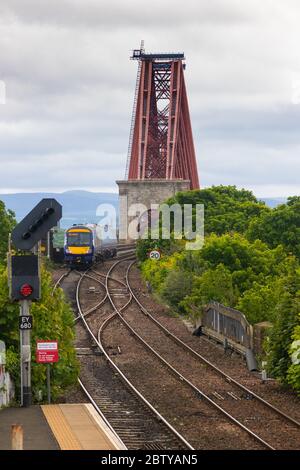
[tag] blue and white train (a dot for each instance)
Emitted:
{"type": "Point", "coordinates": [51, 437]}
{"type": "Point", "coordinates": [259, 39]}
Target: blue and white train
{"type": "Point", "coordinates": [82, 246]}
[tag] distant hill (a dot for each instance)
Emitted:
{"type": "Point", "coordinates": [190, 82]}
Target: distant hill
{"type": "Point", "coordinates": [275, 201]}
{"type": "Point", "coordinates": [78, 206]}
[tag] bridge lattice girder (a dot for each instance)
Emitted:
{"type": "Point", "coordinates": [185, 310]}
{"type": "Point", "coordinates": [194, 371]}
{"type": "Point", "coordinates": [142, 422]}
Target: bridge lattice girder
{"type": "Point", "coordinates": [162, 144]}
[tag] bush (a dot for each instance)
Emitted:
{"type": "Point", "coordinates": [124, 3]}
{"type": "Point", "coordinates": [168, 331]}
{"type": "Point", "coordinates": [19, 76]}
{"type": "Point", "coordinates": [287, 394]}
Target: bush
{"type": "Point", "coordinates": [214, 284]}
{"type": "Point", "coordinates": [52, 319]}
{"type": "Point", "coordinates": [279, 226]}
{"type": "Point", "coordinates": [176, 287]}
{"type": "Point", "coordinates": [259, 303]}
{"type": "Point", "coordinates": [293, 375]}
{"type": "Point", "coordinates": [285, 323]}
{"type": "Point", "coordinates": [7, 223]}
{"type": "Point", "coordinates": [250, 261]}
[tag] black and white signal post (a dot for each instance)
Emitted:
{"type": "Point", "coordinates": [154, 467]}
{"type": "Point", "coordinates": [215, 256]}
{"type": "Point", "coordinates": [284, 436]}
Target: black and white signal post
{"type": "Point", "coordinates": [24, 278]}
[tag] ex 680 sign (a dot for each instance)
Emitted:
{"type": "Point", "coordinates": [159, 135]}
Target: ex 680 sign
{"type": "Point", "coordinates": [25, 322]}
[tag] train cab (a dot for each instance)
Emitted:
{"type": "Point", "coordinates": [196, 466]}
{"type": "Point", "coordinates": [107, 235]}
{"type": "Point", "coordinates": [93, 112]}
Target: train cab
{"type": "Point", "coordinates": [79, 246]}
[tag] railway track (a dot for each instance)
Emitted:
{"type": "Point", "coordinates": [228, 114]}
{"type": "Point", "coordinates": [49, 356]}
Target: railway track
{"type": "Point", "coordinates": [133, 418]}
{"type": "Point", "coordinates": [59, 281]}
{"type": "Point", "coordinates": [128, 414]}
{"type": "Point", "coordinates": [229, 402]}
{"type": "Point", "coordinates": [208, 363]}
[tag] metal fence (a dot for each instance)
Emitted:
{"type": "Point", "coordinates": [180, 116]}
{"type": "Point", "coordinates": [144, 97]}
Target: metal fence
{"type": "Point", "coordinates": [227, 322]}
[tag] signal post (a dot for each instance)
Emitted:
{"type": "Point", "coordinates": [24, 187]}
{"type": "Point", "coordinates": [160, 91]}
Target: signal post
{"type": "Point", "coordinates": [25, 350]}
{"type": "Point", "coordinates": [24, 278]}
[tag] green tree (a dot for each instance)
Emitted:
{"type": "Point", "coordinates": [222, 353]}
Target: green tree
{"type": "Point", "coordinates": [176, 287]}
{"type": "Point", "coordinates": [251, 273]}
{"type": "Point", "coordinates": [214, 285]}
{"type": "Point", "coordinates": [226, 208]}
{"type": "Point", "coordinates": [144, 246]}
{"type": "Point", "coordinates": [7, 223]}
{"type": "Point", "coordinates": [279, 226]}
{"type": "Point", "coordinates": [250, 261]}
{"type": "Point", "coordinates": [293, 375]}
{"type": "Point", "coordinates": [286, 320]}
{"type": "Point", "coordinates": [260, 301]}
{"type": "Point", "coordinates": [247, 262]}
{"type": "Point", "coordinates": [156, 271]}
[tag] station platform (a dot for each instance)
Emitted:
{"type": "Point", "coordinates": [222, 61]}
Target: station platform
{"type": "Point", "coordinates": [54, 427]}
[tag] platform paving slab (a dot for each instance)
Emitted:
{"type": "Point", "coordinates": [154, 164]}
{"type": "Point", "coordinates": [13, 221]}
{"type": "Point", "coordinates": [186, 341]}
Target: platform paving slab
{"type": "Point", "coordinates": [79, 427]}
{"type": "Point", "coordinates": [37, 432]}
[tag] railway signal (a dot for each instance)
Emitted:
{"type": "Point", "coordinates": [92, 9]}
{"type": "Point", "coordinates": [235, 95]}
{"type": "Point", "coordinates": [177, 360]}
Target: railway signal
{"type": "Point", "coordinates": [24, 277]}
{"type": "Point", "coordinates": [26, 290]}
{"type": "Point", "coordinates": [36, 224]}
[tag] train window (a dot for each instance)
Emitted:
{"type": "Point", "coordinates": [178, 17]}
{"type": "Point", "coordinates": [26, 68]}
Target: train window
{"type": "Point", "coordinates": [79, 238]}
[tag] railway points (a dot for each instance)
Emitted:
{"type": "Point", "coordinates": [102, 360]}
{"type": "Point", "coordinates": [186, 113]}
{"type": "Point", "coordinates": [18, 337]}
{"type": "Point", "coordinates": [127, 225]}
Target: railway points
{"type": "Point", "coordinates": [241, 441]}
{"type": "Point", "coordinates": [93, 330]}
{"type": "Point", "coordinates": [145, 416]}
{"type": "Point", "coordinates": [134, 419]}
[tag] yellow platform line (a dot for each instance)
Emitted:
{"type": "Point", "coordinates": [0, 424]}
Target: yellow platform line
{"type": "Point", "coordinates": [61, 428]}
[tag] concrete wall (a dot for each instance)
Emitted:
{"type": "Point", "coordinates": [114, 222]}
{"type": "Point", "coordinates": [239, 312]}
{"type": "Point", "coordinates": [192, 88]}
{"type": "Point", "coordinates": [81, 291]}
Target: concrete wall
{"type": "Point", "coordinates": [6, 388]}
{"type": "Point", "coordinates": [146, 192]}
{"type": "Point", "coordinates": [150, 192]}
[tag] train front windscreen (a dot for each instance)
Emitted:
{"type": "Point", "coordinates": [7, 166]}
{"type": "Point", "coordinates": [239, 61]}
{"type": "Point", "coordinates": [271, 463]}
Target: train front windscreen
{"type": "Point", "coordinates": [79, 239]}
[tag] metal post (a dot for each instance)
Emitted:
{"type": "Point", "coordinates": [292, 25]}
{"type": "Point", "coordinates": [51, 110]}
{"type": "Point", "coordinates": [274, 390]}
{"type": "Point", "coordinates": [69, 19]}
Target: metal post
{"type": "Point", "coordinates": [25, 355]}
{"type": "Point", "coordinates": [48, 244]}
{"type": "Point", "coordinates": [21, 362]}
{"type": "Point", "coordinates": [17, 437]}
{"type": "Point", "coordinates": [264, 376]}
{"type": "Point", "coordinates": [48, 384]}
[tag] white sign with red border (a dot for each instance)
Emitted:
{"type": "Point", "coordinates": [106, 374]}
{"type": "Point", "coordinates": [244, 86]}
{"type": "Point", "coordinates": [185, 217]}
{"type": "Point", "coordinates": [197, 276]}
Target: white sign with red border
{"type": "Point", "coordinates": [154, 254]}
{"type": "Point", "coordinates": [46, 351]}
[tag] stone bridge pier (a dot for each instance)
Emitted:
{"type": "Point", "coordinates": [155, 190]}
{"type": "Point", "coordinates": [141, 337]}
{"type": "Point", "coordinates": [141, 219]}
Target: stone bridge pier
{"type": "Point", "coordinates": [147, 192]}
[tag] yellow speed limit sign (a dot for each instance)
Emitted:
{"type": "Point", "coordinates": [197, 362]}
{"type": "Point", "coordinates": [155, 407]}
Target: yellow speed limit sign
{"type": "Point", "coordinates": [154, 254]}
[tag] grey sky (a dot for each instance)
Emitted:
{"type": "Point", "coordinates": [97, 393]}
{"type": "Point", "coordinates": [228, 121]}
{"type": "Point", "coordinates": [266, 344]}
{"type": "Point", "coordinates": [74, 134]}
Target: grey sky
{"type": "Point", "coordinates": [70, 84]}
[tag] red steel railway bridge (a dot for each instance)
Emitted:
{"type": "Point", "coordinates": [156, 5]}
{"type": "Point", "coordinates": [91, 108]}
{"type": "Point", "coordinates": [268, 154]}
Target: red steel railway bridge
{"type": "Point", "coordinates": [161, 140]}
{"type": "Point", "coordinates": [161, 156]}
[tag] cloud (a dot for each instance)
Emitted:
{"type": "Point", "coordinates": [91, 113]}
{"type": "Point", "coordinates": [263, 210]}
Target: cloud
{"type": "Point", "coordinates": [76, 168]}
{"type": "Point", "coordinates": [70, 84]}
{"type": "Point", "coordinates": [115, 13]}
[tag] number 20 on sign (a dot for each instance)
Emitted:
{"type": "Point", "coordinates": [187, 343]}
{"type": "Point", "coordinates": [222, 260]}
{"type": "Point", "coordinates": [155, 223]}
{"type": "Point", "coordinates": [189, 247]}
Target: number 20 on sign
{"type": "Point", "coordinates": [154, 254]}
